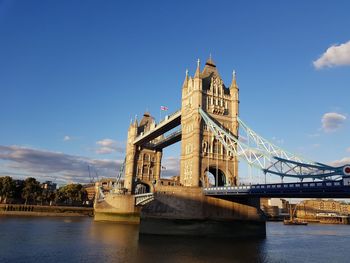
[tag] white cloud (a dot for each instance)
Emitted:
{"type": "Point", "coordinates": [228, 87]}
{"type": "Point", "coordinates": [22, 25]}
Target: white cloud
{"type": "Point", "coordinates": [107, 146]}
{"type": "Point", "coordinates": [332, 121]}
{"type": "Point", "coordinates": [21, 162]}
{"type": "Point", "coordinates": [336, 55]}
{"type": "Point", "coordinates": [67, 138]}
{"type": "Point", "coordinates": [348, 149]}
{"type": "Point", "coordinates": [171, 166]}
{"type": "Point", "coordinates": [341, 162]}
{"type": "Point", "coordinates": [106, 142]}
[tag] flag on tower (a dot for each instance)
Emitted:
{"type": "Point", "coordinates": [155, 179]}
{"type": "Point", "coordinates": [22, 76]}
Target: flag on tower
{"type": "Point", "coordinates": [164, 108]}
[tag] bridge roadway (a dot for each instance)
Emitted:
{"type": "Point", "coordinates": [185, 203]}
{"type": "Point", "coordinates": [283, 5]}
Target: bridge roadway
{"type": "Point", "coordinates": [325, 189]}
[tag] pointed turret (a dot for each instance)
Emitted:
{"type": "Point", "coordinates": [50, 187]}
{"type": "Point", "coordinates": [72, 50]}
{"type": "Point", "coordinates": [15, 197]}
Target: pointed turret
{"type": "Point", "coordinates": [210, 61]}
{"type": "Point", "coordinates": [184, 85]}
{"type": "Point", "coordinates": [135, 121]}
{"type": "Point", "coordinates": [234, 81]}
{"type": "Point", "coordinates": [198, 70]}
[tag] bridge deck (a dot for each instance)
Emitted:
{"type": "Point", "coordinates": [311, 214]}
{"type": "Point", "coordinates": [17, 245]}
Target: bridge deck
{"type": "Point", "coordinates": [164, 126]}
{"type": "Point", "coordinates": [327, 189]}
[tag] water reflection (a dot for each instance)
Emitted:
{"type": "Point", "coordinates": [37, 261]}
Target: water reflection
{"type": "Point", "coordinates": [189, 249]}
{"type": "Point", "coordinates": [83, 240]}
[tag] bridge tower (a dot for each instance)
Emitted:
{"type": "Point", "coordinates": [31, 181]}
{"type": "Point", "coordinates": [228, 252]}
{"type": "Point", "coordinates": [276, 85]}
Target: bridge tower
{"type": "Point", "coordinates": [142, 165]}
{"type": "Point", "coordinates": [201, 153]}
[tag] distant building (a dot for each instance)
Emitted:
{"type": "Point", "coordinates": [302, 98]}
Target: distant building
{"type": "Point", "coordinates": [324, 211]}
{"type": "Point", "coordinates": [91, 191]}
{"type": "Point", "coordinates": [49, 186]}
{"type": "Point", "coordinates": [274, 208]}
{"type": "Point", "coordinates": [312, 207]}
{"type": "Point", "coordinates": [173, 181]}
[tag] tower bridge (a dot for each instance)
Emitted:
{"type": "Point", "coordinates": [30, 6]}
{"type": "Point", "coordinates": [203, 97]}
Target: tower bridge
{"type": "Point", "coordinates": [213, 139]}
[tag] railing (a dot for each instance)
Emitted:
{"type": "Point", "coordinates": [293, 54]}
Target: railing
{"type": "Point", "coordinates": [143, 199]}
{"type": "Point", "coordinates": [272, 188]}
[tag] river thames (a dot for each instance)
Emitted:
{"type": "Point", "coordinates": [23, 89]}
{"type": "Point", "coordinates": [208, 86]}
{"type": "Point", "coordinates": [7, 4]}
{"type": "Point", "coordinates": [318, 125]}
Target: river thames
{"type": "Point", "coordinates": [29, 239]}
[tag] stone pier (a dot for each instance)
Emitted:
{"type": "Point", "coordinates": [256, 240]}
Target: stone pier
{"type": "Point", "coordinates": [186, 211]}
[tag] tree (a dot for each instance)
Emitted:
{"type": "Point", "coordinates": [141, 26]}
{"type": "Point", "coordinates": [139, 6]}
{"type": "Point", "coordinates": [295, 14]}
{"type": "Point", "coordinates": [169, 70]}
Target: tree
{"type": "Point", "coordinates": [7, 187]}
{"type": "Point", "coordinates": [31, 190]}
{"type": "Point", "coordinates": [71, 194]}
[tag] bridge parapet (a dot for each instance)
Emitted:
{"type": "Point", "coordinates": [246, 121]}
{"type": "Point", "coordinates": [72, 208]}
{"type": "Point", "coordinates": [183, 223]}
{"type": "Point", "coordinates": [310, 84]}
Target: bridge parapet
{"type": "Point", "coordinates": [319, 189]}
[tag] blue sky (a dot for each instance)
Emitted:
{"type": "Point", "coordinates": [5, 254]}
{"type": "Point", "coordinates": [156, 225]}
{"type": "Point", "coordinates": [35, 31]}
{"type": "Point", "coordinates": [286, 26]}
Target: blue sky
{"type": "Point", "coordinates": [73, 73]}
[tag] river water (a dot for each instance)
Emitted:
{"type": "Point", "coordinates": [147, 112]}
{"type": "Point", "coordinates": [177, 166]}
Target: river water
{"type": "Point", "coordinates": [28, 239]}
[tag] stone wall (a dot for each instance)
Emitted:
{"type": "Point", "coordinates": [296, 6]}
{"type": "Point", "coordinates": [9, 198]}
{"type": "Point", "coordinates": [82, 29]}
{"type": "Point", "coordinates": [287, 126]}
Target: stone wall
{"type": "Point", "coordinates": [186, 211]}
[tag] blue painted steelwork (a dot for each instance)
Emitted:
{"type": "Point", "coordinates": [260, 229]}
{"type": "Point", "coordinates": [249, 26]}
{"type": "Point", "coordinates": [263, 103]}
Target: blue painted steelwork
{"type": "Point", "coordinates": [319, 189]}
{"type": "Point", "coordinates": [271, 159]}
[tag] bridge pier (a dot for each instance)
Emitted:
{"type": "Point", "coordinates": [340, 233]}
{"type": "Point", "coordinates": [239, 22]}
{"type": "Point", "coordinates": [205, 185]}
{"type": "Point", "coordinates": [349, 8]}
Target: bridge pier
{"type": "Point", "coordinates": [186, 211]}
{"type": "Point", "coordinates": [117, 208]}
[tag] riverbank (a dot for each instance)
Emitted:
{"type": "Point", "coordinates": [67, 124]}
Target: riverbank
{"type": "Point", "coordinates": [45, 211]}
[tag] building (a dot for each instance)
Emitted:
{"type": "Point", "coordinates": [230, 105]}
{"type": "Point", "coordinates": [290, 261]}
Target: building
{"type": "Point", "coordinates": [202, 155]}
{"type": "Point", "coordinates": [49, 186]}
{"type": "Point", "coordinates": [312, 207]}
{"type": "Point", "coordinates": [91, 191]}
{"type": "Point", "coordinates": [274, 208]}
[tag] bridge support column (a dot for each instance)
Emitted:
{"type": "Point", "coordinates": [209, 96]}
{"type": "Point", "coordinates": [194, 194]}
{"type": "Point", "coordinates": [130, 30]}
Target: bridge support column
{"type": "Point", "coordinates": [130, 169]}
{"type": "Point", "coordinates": [158, 166]}
{"type": "Point", "coordinates": [186, 211]}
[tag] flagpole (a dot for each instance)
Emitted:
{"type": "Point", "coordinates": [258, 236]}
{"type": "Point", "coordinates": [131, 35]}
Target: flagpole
{"type": "Point", "coordinates": [160, 114]}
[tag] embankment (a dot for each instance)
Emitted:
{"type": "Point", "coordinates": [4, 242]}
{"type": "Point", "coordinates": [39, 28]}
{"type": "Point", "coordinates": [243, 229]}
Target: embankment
{"type": "Point", "coordinates": [38, 210]}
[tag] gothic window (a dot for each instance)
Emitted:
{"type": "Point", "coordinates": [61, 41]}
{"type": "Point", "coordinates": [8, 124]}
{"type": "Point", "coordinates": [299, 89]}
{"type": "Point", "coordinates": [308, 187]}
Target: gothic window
{"type": "Point", "coordinates": [215, 146]}
{"type": "Point", "coordinates": [146, 157]}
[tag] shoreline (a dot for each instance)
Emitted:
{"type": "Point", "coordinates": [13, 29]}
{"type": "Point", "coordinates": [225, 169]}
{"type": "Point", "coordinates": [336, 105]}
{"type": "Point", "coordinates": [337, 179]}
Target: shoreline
{"type": "Point", "coordinates": [40, 214]}
{"type": "Point", "coordinates": [45, 211]}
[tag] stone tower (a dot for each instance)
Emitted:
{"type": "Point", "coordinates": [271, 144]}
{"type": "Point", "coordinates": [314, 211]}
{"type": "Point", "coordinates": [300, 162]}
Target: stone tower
{"type": "Point", "coordinates": [142, 165]}
{"type": "Point", "coordinates": [201, 153]}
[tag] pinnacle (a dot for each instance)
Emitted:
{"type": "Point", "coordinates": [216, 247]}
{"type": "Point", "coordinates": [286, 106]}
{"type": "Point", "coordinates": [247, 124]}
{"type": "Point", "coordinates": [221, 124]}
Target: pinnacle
{"type": "Point", "coordinates": [210, 61]}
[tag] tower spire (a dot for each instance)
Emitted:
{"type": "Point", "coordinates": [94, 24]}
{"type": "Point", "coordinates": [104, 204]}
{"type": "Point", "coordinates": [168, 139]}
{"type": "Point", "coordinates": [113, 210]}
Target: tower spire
{"type": "Point", "coordinates": [198, 70]}
{"type": "Point", "coordinates": [210, 61]}
{"type": "Point", "coordinates": [184, 85]}
{"type": "Point", "coordinates": [234, 81]}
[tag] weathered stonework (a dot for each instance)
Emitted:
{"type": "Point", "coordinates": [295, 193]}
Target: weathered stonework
{"type": "Point", "coordinates": [200, 151]}
{"type": "Point", "coordinates": [183, 209]}
{"type": "Point", "coordinates": [186, 211]}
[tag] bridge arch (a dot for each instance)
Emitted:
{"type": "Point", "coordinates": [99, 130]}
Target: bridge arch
{"type": "Point", "coordinates": [142, 187]}
{"type": "Point", "coordinates": [214, 176]}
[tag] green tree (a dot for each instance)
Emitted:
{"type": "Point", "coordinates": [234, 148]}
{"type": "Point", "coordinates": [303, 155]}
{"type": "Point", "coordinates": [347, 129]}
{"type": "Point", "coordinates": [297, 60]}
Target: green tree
{"type": "Point", "coordinates": [7, 187]}
{"type": "Point", "coordinates": [72, 194]}
{"type": "Point", "coordinates": [31, 190]}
